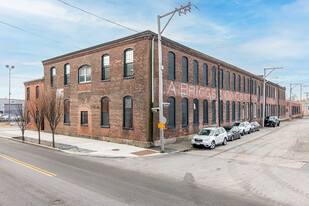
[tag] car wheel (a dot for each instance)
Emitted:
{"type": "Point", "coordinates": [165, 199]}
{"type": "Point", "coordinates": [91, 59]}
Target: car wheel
{"type": "Point", "coordinates": [243, 133]}
{"type": "Point", "coordinates": [224, 141]}
{"type": "Point", "coordinates": [232, 138]}
{"type": "Point", "coordinates": [195, 146]}
{"type": "Point", "coordinates": [249, 131]}
{"type": "Point", "coordinates": [212, 145]}
{"type": "Point", "coordinates": [274, 125]}
{"type": "Point", "coordinates": [278, 124]}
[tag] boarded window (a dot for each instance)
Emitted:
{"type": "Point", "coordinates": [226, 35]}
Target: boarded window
{"type": "Point", "coordinates": [227, 111]}
{"type": "Point", "coordinates": [205, 111]}
{"type": "Point", "coordinates": [195, 112]}
{"type": "Point", "coordinates": [233, 111]}
{"type": "Point", "coordinates": [128, 63]}
{"type": "Point", "coordinates": [221, 79]}
{"type": "Point", "coordinates": [195, 72]}
{"type": "Point", "coordinates": [28, 117]}
{"type": "Point", "coordinates": [171, 113]}
{"type": "Point", "coordinates": [234, 82]}
{"type": "Point", "coordinates": [255, 87]}
{"type": "Point", "coordinates": [213, 77]}
{"type": "Point", "coordinates": [205, 74]}
{"type": "Point", "coordinates": [171, 66]}
{"type": "Point", "coordinates": [128, 112]}
{"type": "Point", "coordinates": [258, 93]}
{"type": "Point", "coordinates": [184, 103]}
{"type": "Point", "coordinates": [66, 118]}
{"type": "Point", "coordinates": [105, 112]}
{"type": "Point", "coordinates": [227, 80]}
{"type": "Point", "coordinates": [238, 113]}
{"type": "Point", "coordinates": [105, 67]}
{"type": "Point", "coordinates": [213, 107]}
{"type": "Point", "coordinates": [221, 112]}
{"type": "Point", "coordinates": [184, 69]}
{"type": "Point", "coordinates": [248, 87]}
{"type": "Point", "coordinates": [239, 83]}
{"type": "Point", "coordinates": [244, 84]}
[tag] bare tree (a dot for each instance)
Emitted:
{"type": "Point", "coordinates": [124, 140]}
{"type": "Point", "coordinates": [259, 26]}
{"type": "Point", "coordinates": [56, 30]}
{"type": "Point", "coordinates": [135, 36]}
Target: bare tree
{"type": "Point", "coordinates": [37, 113]}
{"type": "Point", "coordinates": [21, 121]}
{"type": "Point", "coordinates": [53, 111]}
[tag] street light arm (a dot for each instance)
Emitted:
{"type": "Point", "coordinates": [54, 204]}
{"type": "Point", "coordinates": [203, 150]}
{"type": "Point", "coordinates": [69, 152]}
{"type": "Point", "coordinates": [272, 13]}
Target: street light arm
{"type": "Point", "coordinates": [168, 22]}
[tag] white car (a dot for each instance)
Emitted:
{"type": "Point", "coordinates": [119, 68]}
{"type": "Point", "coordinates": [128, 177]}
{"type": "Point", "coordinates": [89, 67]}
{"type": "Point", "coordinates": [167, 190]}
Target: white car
{"type": "Point", "coordinates": [245, 127]}
{"type": "Point", "coordinates": [210, 137]}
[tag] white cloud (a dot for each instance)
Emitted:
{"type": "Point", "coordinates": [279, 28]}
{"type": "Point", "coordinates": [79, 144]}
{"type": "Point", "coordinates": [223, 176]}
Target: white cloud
{"type": "Point", "coordinates": [36, 8]}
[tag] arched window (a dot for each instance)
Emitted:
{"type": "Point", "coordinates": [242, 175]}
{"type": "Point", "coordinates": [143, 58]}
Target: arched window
{"type": "Point", "coordinates": [255, 87]}
{"type": "Point", "coordinates": [66, 111]}
{"type": "Point", "coordinates": [234, 82]}
{"type": "Point", "coordinates": [128, 112]}
{"type": "Point", "coordinates": [171, 113]}
{"type": "Point", "coordinates": [213, 107]}
{"type": "Point", "coordinates": [52, 76]}
{"type": "Point", "coordinates": [205, 74]}
{"type": "Point", "coordinates": [28, 117]}
{"type": "Point", "coordinates": [213, 77]}
{"type": "Point", "coordinates": [238, 106]}
{"type": "Point", "coordinates": [171, 66]}
{"type": "Point", "coordinates": [221, 112]}
{"type": "Point", "coordinates": [67, 74]}
{"type": "Point", "coordinates": [195, 112]}
{"type": "Point", "coordinates": [105, 67]}
{"type": "Point", "coordinates": [254, 110]}
{"type": "Point", "coordinates": [184, 69]}
{"type": "Point", "coordinates": [128, 63]}
{"type": "Point", "coordinates": [233, 111]}
{"type": "Point", "coordinates": [248, 86]}
{"type": "Point", "coordinates": [221, 79]}
{"type": "Point", "coordinates": [258, 93]}
{"type": "Point", "coordinates": [195, 72]}
{"type": "Point", "coordinates": [227, 111]}
{"type": "Point", "coordinates": [37, 92]}
{"type": "Point", "coordinates": [84, 74]}
{"type": "Point", "coordinates": [184, 103]}
{"type": "Point", "coordinates": [243, 110]}
{"type": "Point", "coordinates": [205, 111]}
{"type": "Point", "coordinates": [28, 93]}
{"type": "Point", "coordinates": [244, 84]}
{"type": "Point", "coordinates": [247, 110]}
{"type": "Point", "coordinates": [105, 112]}
{"type": "Point", "coordinates": [227, 80]}
{"type": "Point", "coordinates": [239, 83]}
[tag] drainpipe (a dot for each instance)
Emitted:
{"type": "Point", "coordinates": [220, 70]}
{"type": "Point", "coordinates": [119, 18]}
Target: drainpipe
{"type": "Point", "coordinates": [250, 100]}
{"type": "Point", "coordinates": [152, 63]}
{"type": "Point", "coordinates": [219, 104]}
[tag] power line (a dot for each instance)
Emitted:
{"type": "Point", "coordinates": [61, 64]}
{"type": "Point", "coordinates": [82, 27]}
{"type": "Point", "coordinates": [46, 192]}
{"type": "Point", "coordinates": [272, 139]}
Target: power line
{"type": "Point", "coordinates": [29, 32]}
{"type": "Point", "coordinates": [90, 13]}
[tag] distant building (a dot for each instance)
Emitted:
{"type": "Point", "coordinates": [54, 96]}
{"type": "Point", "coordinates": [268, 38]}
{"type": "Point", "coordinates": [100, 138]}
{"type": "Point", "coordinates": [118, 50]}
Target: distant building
{"type": "Point", "coordinates": [305, 107]}
{"type": "Point", "coordinates": [15, 104]}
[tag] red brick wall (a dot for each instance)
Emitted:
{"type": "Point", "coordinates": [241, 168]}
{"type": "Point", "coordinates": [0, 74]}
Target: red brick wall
{"type": "Point", "coordinates": [87, 97]}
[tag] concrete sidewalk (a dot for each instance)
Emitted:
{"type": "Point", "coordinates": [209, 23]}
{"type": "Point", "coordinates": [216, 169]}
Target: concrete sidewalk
{"type": "Point", "coordinates": [77, 145]}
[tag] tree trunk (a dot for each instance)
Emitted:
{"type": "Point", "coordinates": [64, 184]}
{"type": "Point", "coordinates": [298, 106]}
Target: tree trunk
{"type": "Point", "coordinates": [23, 135]}
{"type": "Point", "coordinates": [53, 138]}
{"type": "Point", "coordinates": [39, 136]}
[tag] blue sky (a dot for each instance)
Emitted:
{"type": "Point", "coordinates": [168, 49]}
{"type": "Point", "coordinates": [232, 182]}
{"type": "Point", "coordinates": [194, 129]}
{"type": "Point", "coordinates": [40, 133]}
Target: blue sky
{"type": "Point", "coordinates": [249, 34]}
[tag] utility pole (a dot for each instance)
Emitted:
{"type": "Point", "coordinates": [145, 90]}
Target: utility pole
{"type": "Point", "coordinates": [9, 68]}
{"type": "Point", "coordinates": [264, 85]}
{"type": "Point", "coordinates": [162, 119]}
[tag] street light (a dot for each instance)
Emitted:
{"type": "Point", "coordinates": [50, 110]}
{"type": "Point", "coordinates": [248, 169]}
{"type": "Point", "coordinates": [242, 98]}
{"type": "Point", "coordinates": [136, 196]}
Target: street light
{"type": "Point", "coordinates": [264, 95]}
{"type": "Point", "coordinates": [162, 119]}
{"type": "Point", "coordinates": [9, 68]}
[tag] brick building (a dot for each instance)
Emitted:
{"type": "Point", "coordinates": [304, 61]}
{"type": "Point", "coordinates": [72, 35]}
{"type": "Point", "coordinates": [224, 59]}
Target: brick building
{"type": "Point", "coordinates": [109, 90]}
{"type": "Point", "coordinates": [34, 90]}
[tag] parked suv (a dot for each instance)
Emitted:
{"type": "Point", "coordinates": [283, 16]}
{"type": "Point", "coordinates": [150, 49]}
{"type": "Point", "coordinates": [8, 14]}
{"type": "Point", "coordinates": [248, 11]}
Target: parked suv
{"type": "Point", "coordinates": [272, 121]}
{"type": "Point", "coordinates": [245, 127]}
{"type": "Point", "coordinates": [210, 137]}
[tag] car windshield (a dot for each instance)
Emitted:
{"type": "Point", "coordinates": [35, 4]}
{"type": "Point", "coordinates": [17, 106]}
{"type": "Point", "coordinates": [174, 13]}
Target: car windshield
{"type": "Point", "coordinates": [235, 129]}
{"type": "Point", "coordinates": [236, 123]}
{"type": "Point", "coordinates": [241, 124]}
{"type": "Point", "coordinates": [206, 132]}
{"type": "Point", "coordinates": [272, 118]}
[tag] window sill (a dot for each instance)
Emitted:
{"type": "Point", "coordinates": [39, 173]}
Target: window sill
{"type": "Point", "coordinates": [130, 77]}
{"type": "Point", "coordinates": [105, 126]}
{"type": "Point", "coordinates": [185, 126]}
{"type": "Point", "coordinates": [84, 82]}
{"type": "Point", "coordinates": [67, 85]}
{"type": "Point", "coordinates": [205, 123]}
{"type": "Point", "coordinates": [105, 80]}
{"type": "Point", "coordinates": [171, 128]}
{"type": "Point", "coordinates": [86, 125]}
{"type": "Point", "coordinates": [126, 128]}
{"type": "Point", "coordinates": [196, 125]}
{"type": "Point", "coordinates": [68, 124]}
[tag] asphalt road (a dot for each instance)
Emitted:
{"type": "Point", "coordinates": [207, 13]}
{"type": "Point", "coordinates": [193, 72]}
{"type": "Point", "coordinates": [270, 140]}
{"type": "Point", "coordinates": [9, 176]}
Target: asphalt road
{"type": "Point", "coordinates": [31, 175]}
